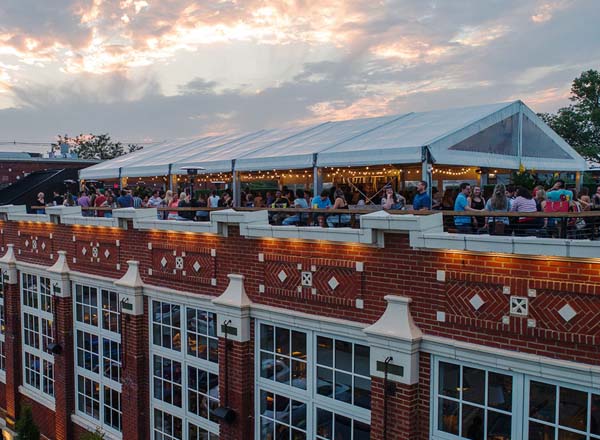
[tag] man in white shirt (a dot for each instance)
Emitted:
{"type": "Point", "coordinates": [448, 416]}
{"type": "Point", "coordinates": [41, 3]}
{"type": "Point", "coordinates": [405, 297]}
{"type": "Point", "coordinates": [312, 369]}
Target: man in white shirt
{"type": "Point", "coordinates": [213, 200]}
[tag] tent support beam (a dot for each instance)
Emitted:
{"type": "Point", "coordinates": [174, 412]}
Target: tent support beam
{"type": "Point", "coordinates": [170, 178]}
{"type": "Point", "coordinates": [236, 185]}
{"type": "Point", "coordinates": [317, 177]}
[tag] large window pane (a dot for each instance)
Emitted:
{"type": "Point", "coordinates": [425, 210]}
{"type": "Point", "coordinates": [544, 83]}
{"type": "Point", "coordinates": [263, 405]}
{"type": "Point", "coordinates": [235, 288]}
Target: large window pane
{"type": "Point", "coordinates": [449, 379]}
{"type": "Point", "coordinates": [448, 416]}
{"type": "Point", "coordinates": [499, 426]}
{"type": "Point", "coordinates": [542, 401]}
{"type": "Point", "coordinates": [573, 408]}
{"type": "Point", "coordinates": [500, 391]}
{"type": "Point", "coordinates": [473, 386]}
{"type": "Point", "coordinates": [472, 422]}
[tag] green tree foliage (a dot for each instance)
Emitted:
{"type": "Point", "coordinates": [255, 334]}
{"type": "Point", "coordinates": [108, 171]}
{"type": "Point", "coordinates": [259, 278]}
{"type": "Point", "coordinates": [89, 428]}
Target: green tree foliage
{"type": "Point", "coordinates": [91, 146]}
{"type": "Point", "coordinates": [25, 427]}
{"type": "Point", "coordinates": [579, 123]}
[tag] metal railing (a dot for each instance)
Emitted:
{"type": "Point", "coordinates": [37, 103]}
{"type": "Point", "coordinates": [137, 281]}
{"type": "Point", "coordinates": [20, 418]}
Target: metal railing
{"type": "Point", "coordinates": [575, 225]}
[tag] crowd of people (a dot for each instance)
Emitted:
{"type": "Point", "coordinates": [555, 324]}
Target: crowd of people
{"type": "Point", "coordinates": [467, 198]}
{"type": "Point", "coordinates": [555, 199]}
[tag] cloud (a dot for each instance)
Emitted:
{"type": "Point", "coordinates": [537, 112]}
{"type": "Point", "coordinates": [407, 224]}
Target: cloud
{"type": "Point", "coordinates": [545, 10]}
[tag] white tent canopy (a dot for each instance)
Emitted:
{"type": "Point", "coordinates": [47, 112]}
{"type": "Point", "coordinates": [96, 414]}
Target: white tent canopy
{"type": "Point", "coordinates": [501, 135]}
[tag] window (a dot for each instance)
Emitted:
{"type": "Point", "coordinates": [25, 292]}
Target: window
{"type": "Point", "coordinates": [281, 417]}
{"type": "Point", "coordinates": [283, 355]}
{"type": "Point", "coordinates": [185, 378]}
{"type": "Point", "coordinates": [37, 332]}
{"type": "Point", "coordinates": [480, 403]}
{"type": "Point", "coordinates": [562, 412]}
{"type": "Point", "coordinates": [311, 386]}
{"type": "Point", "coordinates": [474, 403]}
{"type": "Point", "coordinates": [343, 371]}
{"type": "Point", "coordinates": [98, 356]}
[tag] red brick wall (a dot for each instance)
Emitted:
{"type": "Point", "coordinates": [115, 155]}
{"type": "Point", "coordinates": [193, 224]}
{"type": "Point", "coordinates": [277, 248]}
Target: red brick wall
{"type": "Point", "coordinates": [43, 417]}
{"type": "Point", "coordinates": [395, 269]}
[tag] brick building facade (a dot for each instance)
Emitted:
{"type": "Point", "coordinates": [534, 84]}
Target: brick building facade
{"type": "Point", "coordinates": [150, 329]}
{"type": "Point", "coordinates": [12, 170]}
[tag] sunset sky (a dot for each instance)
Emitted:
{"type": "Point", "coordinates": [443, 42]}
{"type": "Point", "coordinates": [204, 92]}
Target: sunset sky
{"type": "Point", "coordinates": [147, 70]}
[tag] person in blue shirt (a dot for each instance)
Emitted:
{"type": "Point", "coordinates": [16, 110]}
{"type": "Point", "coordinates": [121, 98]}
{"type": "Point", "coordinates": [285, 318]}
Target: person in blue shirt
{"type": "Point", "coordinates": [322, 202]}
{"type": "Point", "coordinates": [299, 202]}
{"type": "Point", "coordinates": [463, 223]}
{"type": "Point", "coordinates": [422, 201]}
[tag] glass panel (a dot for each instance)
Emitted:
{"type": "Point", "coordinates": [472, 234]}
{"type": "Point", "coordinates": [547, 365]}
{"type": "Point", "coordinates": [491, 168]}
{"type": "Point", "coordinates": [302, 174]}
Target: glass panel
{"type": "Point", "coordinates": [299, 374]}
{"type": "Point", "coordinates": [299, 345]}
{"type": "Point", "coordinates": [449, 380]}
{"type": "Point", "coordinates": [325, 381]}
{"type": "Point", "coordinates": [500, 391]}
{"type": "Point", "coordinates": [472, 422]}
{"type": "Point", "coordinates": [282, 432]}
{"type": "Point", "coordinates": [282, 369]}
{"type": "Point", "coordinates": [361, 360]}
{"type": "Point", "coordinates": [282, 341]}
{"type": "Point", "coordinates": [282, 408]}
{"type": "Point", "coordinates": [499, 426]}
{"type": "Point", "coordinates": [343, 387]}
{"type": "Point", "coordinates": [536, 143]}
{"type": "Point", "coordinates": [267, 365]}
{"type": "Point", "coordinates": [572, 410]}
{"type": "Point", "coordinates": [362, 392]}
{"type": "Point", "coordinates": [473, 385]}
{"type": "Point", "coordinates": [343, 427]}
{"type": "Point", "coordinates": [266, 337]}
{"type": "Point", "coordinates": [568, 435]}
{"type": "Point", "coordinates": [595, 412]}
{"type": "Point", "coordinates": [324, 423]}
{"type": "Point", "coordinates": [343, 355]}
{"type": "Point", "coordinates": [500, 138]}
{"type": "Point", "coordinates": [448, 416]}
{"type": "Point", "coordinates": [299, 414]}
{"type": "Point", "coordinates": [325, 351]}
{"type": "Point", "coordinates": [266, 429]}
{"type": "Point", "coordinates": [362, 431]}
{"type": "Point", "coordinates": [266, 403]}
{"type": "Point", "coordinates": [538, 431]}
{"type": "Point", "coordinates": [542, 401]}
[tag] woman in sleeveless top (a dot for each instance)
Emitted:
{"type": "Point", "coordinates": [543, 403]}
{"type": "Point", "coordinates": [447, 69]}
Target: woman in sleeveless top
{"type": "Point", "coordinates": [339, 203]}
{"type": "Point", "coordinates": [478, 202]}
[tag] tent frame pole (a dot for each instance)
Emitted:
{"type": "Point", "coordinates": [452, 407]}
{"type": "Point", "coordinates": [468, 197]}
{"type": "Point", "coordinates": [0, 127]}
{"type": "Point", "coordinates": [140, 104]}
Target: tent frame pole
{"type": "Point", "coordinates": [236, 185]}
{"type": "Point", "coordinates": [426, 168]}
{"type": "Point", "coordinates": [317, 177]}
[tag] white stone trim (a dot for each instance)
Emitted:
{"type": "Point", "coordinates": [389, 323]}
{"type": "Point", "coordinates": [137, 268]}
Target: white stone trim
{"type": "Point", "coordinates": [92, 426]}
{"type": "Point", "coordinates": [495, 244]}
{"type": "Point", "coordinates": [535, 365]}
{"type": "Point", "coordinates": [37, 396]}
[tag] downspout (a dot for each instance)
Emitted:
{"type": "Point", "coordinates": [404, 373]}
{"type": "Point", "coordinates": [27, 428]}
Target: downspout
{"type": "Point", "coordinates": [386, 364]}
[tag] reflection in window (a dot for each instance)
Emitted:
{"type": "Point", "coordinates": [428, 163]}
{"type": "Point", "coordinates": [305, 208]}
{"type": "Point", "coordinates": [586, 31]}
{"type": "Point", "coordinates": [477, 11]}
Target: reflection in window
{"type": "Point", "coordinates": [563, 411]}
{"type": "Point", "coordinates": [474, 403]}
{"type": "Point", "coordinates": [281, 417]}
{"type": "Point", "coordinates": [343, 371]}
{"type": "Point", "coordinates": [283, 355]}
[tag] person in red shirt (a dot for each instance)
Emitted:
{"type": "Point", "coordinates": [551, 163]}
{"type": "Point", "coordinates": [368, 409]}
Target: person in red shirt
{"type": "Point", "coordinates": [99, 202]}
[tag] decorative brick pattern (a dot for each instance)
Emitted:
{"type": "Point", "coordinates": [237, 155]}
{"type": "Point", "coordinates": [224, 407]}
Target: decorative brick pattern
{"type": "Point", "coordinates": [179, 264]}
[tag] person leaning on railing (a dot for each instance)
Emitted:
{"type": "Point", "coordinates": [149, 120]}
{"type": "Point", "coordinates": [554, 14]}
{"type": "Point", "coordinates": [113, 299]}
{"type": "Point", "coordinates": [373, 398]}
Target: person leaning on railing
{"type": "Point", "coordinates": [339, 203]}
{"type": "Point", "coordinates": [321, 202]}
{"type": "Point", "coordinates": [524, 203]}
{"type": "Point", "coordinates": [299, 202]}
{"type": "Point", "coordinates": [464, 223]}
{"type": "Point", "coordinates": [498, 202]}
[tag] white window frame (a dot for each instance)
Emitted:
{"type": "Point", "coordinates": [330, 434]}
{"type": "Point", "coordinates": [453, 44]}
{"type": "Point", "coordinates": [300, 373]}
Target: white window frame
{"type": "Point", "coordinates": [184, 359]}
{"type": "Point", "coordinates": [520, 404]}
{"type": "Point", "coordinates": [39, 316]}
{"type": "Point", "coordinates": [308, 396]}
{"type": "Point", "coordinates": [97, 377]}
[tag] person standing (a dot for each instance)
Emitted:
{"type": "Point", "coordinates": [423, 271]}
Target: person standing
{"type": "Point", "coordinates": [476, 201]}
{"type": "Point", "coordinates": [213, 200]}
{"type": "Point", "coordinates": [99, 202]}
{"type": "Point", "coordinates": [422, 201]}
{"type": "Point", "coordinates": [463, 223]}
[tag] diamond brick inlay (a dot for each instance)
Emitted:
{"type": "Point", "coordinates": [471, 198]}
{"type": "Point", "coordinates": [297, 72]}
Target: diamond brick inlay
{"type": "Point", "coordinates": [333, 283]}
{"type": "Point", "coordinates": [163, 262]}
{"type": "Point", "coordinates": [459, 294]}
{"type": "Point", "coordinates": [106, 253]}
{"type": "Point", "coordinates": [282, 276]}
{"type": "Point", "coordinates": [476, 302]}
{"type": "Point", "coordinates": [567, 312]}
{"type": "Point", "coordinates": [83, 251]}
{"type": "Point", "coordinates": [196, 266]}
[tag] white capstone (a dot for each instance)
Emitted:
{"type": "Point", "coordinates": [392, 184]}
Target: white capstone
{"type": "Point", "coordinates": [567, 312]}
{"type": "Point", "coordinates": [360, 304]}
{"type": "Point", "coordinates": [440, 316]}
{"type": "Point", "coordinates": [440, 275]}
{"type": "Point", "coordinates": [476, 301]}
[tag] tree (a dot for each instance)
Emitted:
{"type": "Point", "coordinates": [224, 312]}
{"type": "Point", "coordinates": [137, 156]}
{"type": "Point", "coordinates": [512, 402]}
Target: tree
{"type": "Point", "coordinates": [90, 146]}
{"type": "Point", "coordinates": [579, 123]}
{"type": "Point", "coordinates": [25, 427]}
